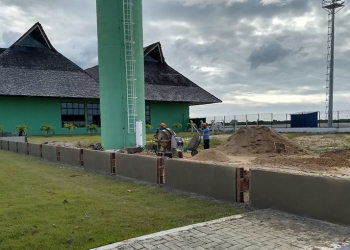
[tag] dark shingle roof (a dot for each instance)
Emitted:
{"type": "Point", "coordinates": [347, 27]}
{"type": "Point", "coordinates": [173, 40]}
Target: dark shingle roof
{"type": "Point", "coordinates": [163, 83]}
{"type": "Point", "coordinates": [33, 67]}
{"type": "Point", "coordinates": [43, 72]}
{"type": "Point", "coordinates": [2, 50]}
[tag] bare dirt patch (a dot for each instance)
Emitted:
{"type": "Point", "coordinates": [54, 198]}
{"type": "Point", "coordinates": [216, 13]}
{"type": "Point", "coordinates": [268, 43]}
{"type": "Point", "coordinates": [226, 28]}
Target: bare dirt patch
{"type": "Point", "coordinates": [77, 144]}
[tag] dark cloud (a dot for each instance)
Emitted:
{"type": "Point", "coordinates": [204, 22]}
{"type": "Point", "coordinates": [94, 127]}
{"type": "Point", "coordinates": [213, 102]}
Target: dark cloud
{"type": "Point", "coordinates": [267, 53]}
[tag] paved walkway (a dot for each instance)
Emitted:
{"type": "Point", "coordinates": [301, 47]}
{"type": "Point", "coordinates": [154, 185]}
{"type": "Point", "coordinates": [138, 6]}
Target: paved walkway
{"type": "Point", "coordinates": [263, 229]}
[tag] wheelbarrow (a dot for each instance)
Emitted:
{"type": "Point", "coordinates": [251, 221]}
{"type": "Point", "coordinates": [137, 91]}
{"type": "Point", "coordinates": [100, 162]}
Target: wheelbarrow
{"type": "Point", "coordinates": [194, 144]}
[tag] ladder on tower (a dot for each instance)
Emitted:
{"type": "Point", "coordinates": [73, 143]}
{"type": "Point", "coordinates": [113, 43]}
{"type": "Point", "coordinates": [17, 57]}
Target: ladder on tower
{"type": "Point", "coordinates": [129, 65]}
{"type": "Point", "coordinates": [328, 75]}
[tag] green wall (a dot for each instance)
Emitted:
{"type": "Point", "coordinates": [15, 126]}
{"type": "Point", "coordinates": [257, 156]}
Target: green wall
{"type": "Point", "coordinates": [169, 113]}
{"type": "Point", "coordinates": [35, 112]}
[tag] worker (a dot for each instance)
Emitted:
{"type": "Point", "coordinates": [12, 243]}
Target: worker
{"type": "Point", "coordinates": [162, 126]}
{"type": "Point", "coordinates": [205, 131]}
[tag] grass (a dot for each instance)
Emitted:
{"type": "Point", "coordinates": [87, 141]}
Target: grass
{"type": "Point", "coordinates": [48, 206]}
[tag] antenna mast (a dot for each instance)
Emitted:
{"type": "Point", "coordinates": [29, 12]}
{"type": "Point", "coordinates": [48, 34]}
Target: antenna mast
{"type": "Point", "coordinates": [332, 7]}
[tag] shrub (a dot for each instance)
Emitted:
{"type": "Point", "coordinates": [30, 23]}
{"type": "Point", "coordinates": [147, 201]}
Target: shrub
{"type": "Point", "coordinates": [69, 127]}
{"type": "Point", "coordinates": [177, 125]}
{"type": "Point", "coordinates": [92, 127]}
{"type": "Point", "coordinates": [149, 126]}
{"type": "Point", "coordinates": [22, 127]}
{"type": "Point", "coordinates": [1, 129]}
{"type": "Point", "coordinates": [47, 128]}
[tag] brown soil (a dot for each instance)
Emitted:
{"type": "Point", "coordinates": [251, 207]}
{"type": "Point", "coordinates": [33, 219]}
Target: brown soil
{"type": "Point", "coordinates": [337, 154]}
{"type": "Point", "coordinates": [210, 155]}
{"type": "Point", "coordinates": [310, 163]}
{"type": "Point", "coordinates": [260, 141]}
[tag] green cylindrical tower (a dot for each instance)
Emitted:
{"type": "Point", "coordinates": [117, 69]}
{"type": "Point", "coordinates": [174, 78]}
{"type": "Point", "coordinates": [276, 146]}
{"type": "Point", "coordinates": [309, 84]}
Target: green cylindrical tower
{"type": "Point", "coordinates": [117, 41]}
{"type": "Point", "coordinates": [140, 71]}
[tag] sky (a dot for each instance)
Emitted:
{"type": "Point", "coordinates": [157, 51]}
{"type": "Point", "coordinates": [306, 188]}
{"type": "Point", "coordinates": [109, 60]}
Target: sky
{"type": "Point", "coordinates": [257, 56]}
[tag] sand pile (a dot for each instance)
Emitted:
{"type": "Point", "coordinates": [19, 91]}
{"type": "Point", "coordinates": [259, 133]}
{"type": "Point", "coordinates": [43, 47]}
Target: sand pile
{"type": "Point", "coordinates": [314, 163]}
{"type": "Point", "coordinates": [257, 141]}
{"type": "Point", "coordinates": [210, 155]}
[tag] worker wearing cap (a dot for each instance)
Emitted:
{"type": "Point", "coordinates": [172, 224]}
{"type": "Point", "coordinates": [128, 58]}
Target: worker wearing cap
{"type": "Point", "coordinates": [162, 126]}
{"type": "Point", "coordinates": [205, 131]}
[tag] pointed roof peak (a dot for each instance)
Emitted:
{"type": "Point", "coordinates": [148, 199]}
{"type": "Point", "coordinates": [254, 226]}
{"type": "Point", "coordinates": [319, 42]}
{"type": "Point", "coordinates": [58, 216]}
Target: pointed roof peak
{"type": "Point", "coordinates": [155, 51]}
{"type": "Point", "coordinates": [34, 37]}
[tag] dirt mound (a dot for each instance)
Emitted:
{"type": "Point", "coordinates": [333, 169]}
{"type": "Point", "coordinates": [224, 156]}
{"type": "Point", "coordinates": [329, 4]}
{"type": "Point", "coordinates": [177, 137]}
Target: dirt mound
{"type": "Point", "coordinates": [259, 141]}
{"type": "Point", "coordinates": [337, 154]}
{"type": "Point", "coordinates": [314, 163]}
{"type": "Point", "coordinates": [210, 155]}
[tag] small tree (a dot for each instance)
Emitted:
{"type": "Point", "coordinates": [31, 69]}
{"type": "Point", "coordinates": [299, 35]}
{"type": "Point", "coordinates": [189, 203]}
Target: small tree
{"type": "Point", "coordinates": [47, 128]}
{"type": "Point", "coordinates": [70, 127]}
{"type": "Point", "coordinates": [149, 126]}
{"type": "Point", "coordinates": [22, 127]}
{"type": "Point", "coordinates": [177, 125]}
{"type": "Point", "coordinates": [92, 128]}
{"type": "Point", "coordinates": [1, 129]}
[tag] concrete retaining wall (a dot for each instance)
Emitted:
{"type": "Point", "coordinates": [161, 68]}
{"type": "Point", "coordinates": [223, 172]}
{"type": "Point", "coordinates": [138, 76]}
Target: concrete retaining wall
{"type": "Point", "coordinates": [4, 145]}
{"type": "Point", "coordinates": [137, 167]}
{"type": "Point", "coordinates": [216, 181]}
{"type": "Point", "coordinates": [316, 197]}
{"type": "Point", "coordinates": [49, 153]}
{"type": "Point", "coordinates": [14, 138]}
{"type": "Point", "coordinates": [13, 146]}
{"type": "Point", "coordinates": [98, 161]}
{"type": "Point", "coordinates": [34, 150]}
{"type": "Point", "coordinates": [70, 156]}
{"type": "Point", "coordinates": [312, 130]}
{"type": "Point", "coordinates": [22, 147]}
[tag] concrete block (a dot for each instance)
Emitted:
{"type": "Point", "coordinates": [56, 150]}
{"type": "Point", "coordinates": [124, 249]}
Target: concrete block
{"type": "Point", "coordinates": [14, 138]}
{"type": "Point", "coordinates": [13, 146]}
{"type": "Point", "coordinates": [34, 150]}
{"type": "Point", "coordinates": [49, 153]}
{"type": "Point", "coordinates": [98, 161]}
{"type": "Point", "coordinates": [137, 167]}
{"type": "Point", "coordinates": [4, 145]}
{"type": "Point", "coordinates": [215, 181]}
{"type": "Point", "coordinates": [70, 156]}
{"type": "Point", "coordinates": [22, 147]}
{"type": "Point", "coordinates": [311, 196]}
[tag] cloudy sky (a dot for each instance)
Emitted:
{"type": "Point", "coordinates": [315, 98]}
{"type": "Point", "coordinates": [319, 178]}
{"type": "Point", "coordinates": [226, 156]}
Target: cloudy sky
{"type": "Point", "coordinates": [257, 56]}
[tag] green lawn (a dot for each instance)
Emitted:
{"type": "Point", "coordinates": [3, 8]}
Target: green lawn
{"type": "Point", "coordinates": [48, 206]}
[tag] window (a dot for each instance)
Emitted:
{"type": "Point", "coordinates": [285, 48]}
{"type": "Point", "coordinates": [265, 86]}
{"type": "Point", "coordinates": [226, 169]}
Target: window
{"type": "Point", "coordinates": [148, 114]}
{"type": "Point", "coordinates": [93, 111]}
{"type": "Point", "coordinates": [73, 113]}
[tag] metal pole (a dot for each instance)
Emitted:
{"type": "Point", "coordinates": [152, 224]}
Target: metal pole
{"type": "Point", "coordinates": [246, 120]}
{"type": "Point", "coordinates": [286, 120]}
{"type": "Point", "coordinates": [338, 119]}
{"type": "Point", "coordinates": [271, 120]}
{"type": "Point", "coordinates": [258, 120]}
{"type": "Point", "coordinates": [330, 105]}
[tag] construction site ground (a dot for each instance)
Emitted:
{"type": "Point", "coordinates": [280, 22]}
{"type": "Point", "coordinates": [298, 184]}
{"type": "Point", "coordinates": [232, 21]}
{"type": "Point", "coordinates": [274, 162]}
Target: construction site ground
{"type": "Point", "coordinates": [325, 155]}
{"type": "Point", "coordinates": [308, 154]}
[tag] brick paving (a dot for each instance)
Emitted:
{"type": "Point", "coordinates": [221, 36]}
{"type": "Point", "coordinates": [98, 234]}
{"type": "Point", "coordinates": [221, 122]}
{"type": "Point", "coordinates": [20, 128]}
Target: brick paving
{"type": "Point", "coordinates": [263, 230]}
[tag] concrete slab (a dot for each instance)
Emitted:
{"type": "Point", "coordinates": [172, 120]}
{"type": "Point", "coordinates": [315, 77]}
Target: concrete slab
{"type": "Point", "coordinates": [216, 181]}
{"type": "Point", "coordinates": [49, 153]}
{"type": "Point", "coordinates": [4, 145]}
{"type": "Point", "coordinates": [98, 161]}
{"type": "Point", "coordinates": [13, 146]}
{"type": "Point", "coordinates": [22, 148]}
{"type": "Point", "coordinates": [313, 196]}
{"type": "Point", "coordinates": [70, 156]}
{"type": "Point", "coordinates": [14, 138]}
{"type": "Point", "coordinates": [34, 150]}
{"type": "Point", "coordinates": [137, 167]}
